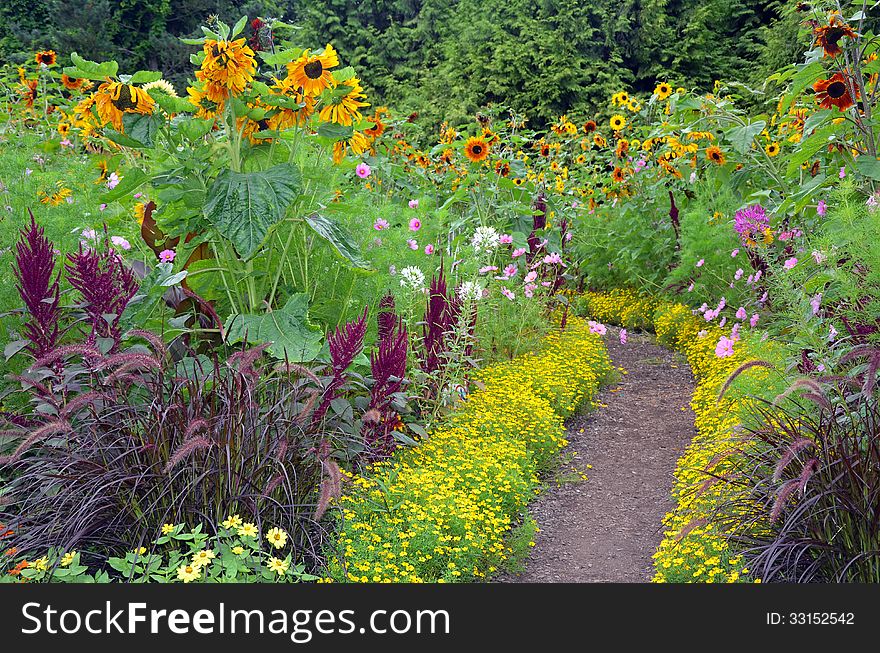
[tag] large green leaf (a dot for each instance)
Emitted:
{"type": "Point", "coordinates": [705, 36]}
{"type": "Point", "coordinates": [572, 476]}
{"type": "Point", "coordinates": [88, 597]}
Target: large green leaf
{"type": "Point", "coordinates": [868, 166]}
{"type": "Point", "coordinates": [141, 128]}
{"type": "Point", "coordinates": [741, 137]}
{"type": "Point", "coordinates": [85, 69]}
{"type": "Point", "coordinates": [292, 335]}
{"type": "Point", "coordinates": [244, 206]}
{"type": "Point", "coordinates": [133, 179]}
{"type": "Point", "coordinates": [339, 238]}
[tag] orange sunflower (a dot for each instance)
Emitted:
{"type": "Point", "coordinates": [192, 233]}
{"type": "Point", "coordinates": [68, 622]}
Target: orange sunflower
{"type": "Point", "coordinates": [618, 175]}
{"type": "Point", "coordinates": [715, 155]}
{"type": "Point", "coordinates": [227, 68]}
{"type": "Point", "coordinates": [344, 108]}
{"type": "Point", "coordinates": [834, 92]}
{"type": "Point", "coordinates": [828, 36]}
{"type": "Point", "coordinates": [115, 98]}
{"type": "Point", "coordinates": [311, 72]}
{"type": "Point", "coordinates": [45, 58]}
{"type": "Point", "coordinates": [476, 149]}
{"type": "Point", "coordinates": [502, 168]}
{"type": "Point", "coordinates": [589, 126]}
{"type": "Point", "coordinates": [599, 140]}
{"type": "Point", "coordinates": [71, 83]}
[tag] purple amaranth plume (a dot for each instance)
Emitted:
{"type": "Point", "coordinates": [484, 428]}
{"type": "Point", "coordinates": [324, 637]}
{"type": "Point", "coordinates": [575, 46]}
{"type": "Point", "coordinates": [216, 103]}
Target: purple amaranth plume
{"type": "Point", "coordinates": [539, 221]}
{"type": "Point", "coordinates": [439, 317]}
{"type": "Point", "coordinates": [388, 367]}
{"type": "Point", "coordinates": [387, 318]}
{"type": "Point", "coordinates": [106, 285]}
{"type": "Point", "coordinates": [345, 343]}
{"type": "Point", "coordinates": [34, 269]}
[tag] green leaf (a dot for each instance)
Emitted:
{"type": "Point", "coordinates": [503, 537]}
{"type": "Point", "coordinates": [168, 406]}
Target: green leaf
{"type": "Point", "coordinates": [868, 166]}
{"type": "Point", "coordinates": [280, 57]}
{"type": "Point", "coordinates": [806, 76]}
{"type": "Point", "coordinates": [244, 206]}
{"type": "Point", "coordinates": [123, 139]}
{"type": "Point", "coordinates": [145, 77]}
{"type": "Point", "coordinates": [238, 27]}
{"type": "Point", "coordinates": [810, 146]}
{"type": "Point", "coordinates": [173, 104]}
{"type": "Point", "coordinates": [292, 335]}
{"type": "Point", "coordinates": [339, 238]}
{"type": "Point", "coordinates": [134, 178]}
{"type": "Point", "coordinates": [334, 132]}
{"type": "Point", "coordinates": [85, 69]}
{"type": "Point", "coordinates": [742, 137]}
{"type": "Point", "coordinates": [141, 128]}
{"type": "Point", "coordinates": [195, 128]}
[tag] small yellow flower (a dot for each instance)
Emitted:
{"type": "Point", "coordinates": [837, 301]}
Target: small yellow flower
{"type": "Point", "coordinates": [238, 550]}
{"type": "Point", "coordinates": [203, 558]}
{"type": "Point", "coordinates": [188, 573]}
{"type": "Point", "coordinates": [67, 558]}
{"type": "Point", "coordinates": [141, 551]}
{"type": "Point", "coordinates": [280, 567]}
{"type": "Point", "coordinates": [248, 530]}
{"type": "Point", "coordinates": [277, 538]}
{"type": "Point", "coordinates": [41, 564]}
{"type": "Point", "coordinates": [233, 521]}
{"type": "Point", "coordinates": [167, 528]}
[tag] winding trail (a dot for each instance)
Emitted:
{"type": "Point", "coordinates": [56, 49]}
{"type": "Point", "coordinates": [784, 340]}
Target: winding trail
{"type": "Point", "coordinates": [606, 528]}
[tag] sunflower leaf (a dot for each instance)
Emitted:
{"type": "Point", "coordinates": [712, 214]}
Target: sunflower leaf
{"type": "Point", "coordinates": [292, 335]}
{"type": "Point", "coordinates": [244, 207]}
{"type": "Point", "coordinates": [134, 178]}
{"type": "Point", "coordinates": [742, 137]}
{"type": "Point", "coordinates": [145, 77]}
{"type": "Point", "coordinates": [868, 166]}
{"type": "Point", "coordinates": [141, 128]}
{"type": "Point", "coordinates": [238, 27]}
{"type": "Point", "coordinates": [85, 69]}
{"type": "Point", "coordinates": [280, 57]}
{"type": "Point", "coordinates": [339, 239]}
{"type": "Point", "coordinates": [334, 132]}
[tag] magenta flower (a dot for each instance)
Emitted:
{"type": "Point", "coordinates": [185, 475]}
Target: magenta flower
{"type": "Point", "coordinates": [488, 268]}
{"type": "Point", "coordinates": [691, 287]}
{"type": "Point", "coordinates": [510, 271]}
{"type": "Point", "coordinates": [380, 224]}
{"type": "Point", "coordinates": [102, 207]}
{"type": "Point", "coordinates": [429, 249]}
{"type": "Point", "coordinates": [518, 252]}
{"type": "Point", "coordinates": [529, 290]}
{"type": "Point", "coordinates": [842, 173]}
{"type": "Point", "coordinates": [724, 348]}
{"type": "Point", "coordinates": [750, 222]}
{"type": "Point", "coordinates": [832, 332]}
{"type": "Point", "coordinates": [597, 327]}
{"type": "Point", "coordinates": [167, 255]}
{"type": "Point", "coordinates": [413, 204]}
{"type": "Point", "coordinates": [790, 263]}
{"type": "Point", "coordinates": [415, 224]}
{"type": "Point", "coordinates": [505, 239]}
{"type": "Point", "coordinates": [623, 336]}
{"type": "Point", "coordinates": [822, 208]}
{"type": "Point", "coordinates": [363, 170]}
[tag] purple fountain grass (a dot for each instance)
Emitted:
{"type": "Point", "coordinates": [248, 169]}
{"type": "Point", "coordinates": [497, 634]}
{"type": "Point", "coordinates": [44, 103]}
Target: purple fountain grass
{"type": "Point", "coordinates": [37, 284]}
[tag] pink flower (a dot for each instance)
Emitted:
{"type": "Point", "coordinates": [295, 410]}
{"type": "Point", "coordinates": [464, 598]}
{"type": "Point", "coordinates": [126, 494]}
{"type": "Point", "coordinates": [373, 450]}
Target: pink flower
{"type": "Point", "coordinates": [380, 224]}
{"type": "Point", "coordinates": [754, 321]}
{"type": "Point", "coordinates": [505, 239]}
{"type": "Point", "coordinates": [832, 333]}
{"type": "Point", "coordinates": [102, 207]}
{"type": "Point", "coordinates": [413, 204]}
{"type": "Point", "coordinates": [429, 249]}
{"type": "Point", "coordinates": [553, 259]}
{"type": "Point", "coordinates": [724, 348]}
{"type": "Point", "coordinates": [723, 321]}
{"type": "Point", "coordinates": [741, 313]}
{"type": "Point", "coordinates": [710, 315]}
{"type": "Point", "coordinates": [167, 255]}
{"type": "Point", "coordinates": [363, 170]}
{"type": "Point", "coordinates": [790, 263]}
{"type": "Point", "coordinates": [623, 336]}
{"type": "Point", "coordinates": [734, 253]}
{"type": "Point", "coordinates": [412, 244]}
{"type": "Point", "coordinates": [816, 303]}
{"type": "Point", "coordinates": [137, 196]}
{"type": "Point", "coordinates": [112, 181]}
{"type": "Point", "coordinates": [488, 268]}
{"type": "Point", "coordinates": [530, 277]}
{"type": "Point", "coordinates": [691, 287]}
{"type": "Point", "coordinates": [597, 327]}
{"type": "Point", "coordinates": [508, 293]}
{"type": "Point", "coordinates": [546, 284]}
{"type": "Point", "coordinates": [842, 172]}
{"type": "Point", "coordinates": [66, 143]}
{"type": "Point", "coordinates": [415, 224]}
{"type": "Point", "coordinates": [700, 263]}
{"type": "Point", "coordinates": [518, 252]}
{"type": "Point", "coordinates": [529, 289]}
{"type": "Point", "coordinates": [819, 257]}
{"type": "Point", "coordinates": [510, 271]}
{"type": "Point", "coordinates": [739, 274]}
{"type": "Point", "coordinates": [821, 208]}
{"type": "Point", "coordinates": [121, 242]}
{"type": "Point", "coordinates": [721, 305]}
{"type": "Point", "coordinates": [734, 332]}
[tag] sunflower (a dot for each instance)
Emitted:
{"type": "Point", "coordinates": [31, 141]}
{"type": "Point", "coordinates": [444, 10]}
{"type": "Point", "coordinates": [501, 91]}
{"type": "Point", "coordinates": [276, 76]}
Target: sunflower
{"type": "Point", "coordinates": [115, 98]}
{"type": "Point", "coordinates": [617, 122]}
{"type": "Point", "coordinates": [580, 159]}
{"type": "Point", "coordinates": [71, 83]}
{"type": "Point", "coordinates": [834, 92]}
{"type": "Point", "coordinates": [772, 149]}
{"type": "Point", "coordinates": [207, 108]}
{"type": "Point", "coordinates": [502, 168]}
{"type": "Point", "coordinates": [162, 85]}
{"type": "Point", "coordinates": [618, 175]}
{"type": "Point", "coordinates": [55, 198]}
{"type": "Point", "coordinates": [828, 36]}
{"type": "Point", "coordinates": [101, 165]}
{"type": "Point", "coordinates": [589, 126]}
{"type": "Point", "coordinates": [358, 142]}
{"type": "Point", "coordinates": [377, 129]}
{"type": "Point", "coordinates": [476, 149]}
{"type": "Point", "coordinates": [599, 140]}
{"type": "Point", "coordinates": [285, 117]}
{"type": "Point", "coordinates": [227, 68]}
{"type": "Point", "coordinates": [63, 129]}
{"type": "Point", "coordinates": [45, 58]}
{"type": "Point", "coordinates": [663, 91]}
{"type": "Point", "coordinates": [633, 105]}
{"type": "Point", "coordinates": [344, 108]}
{"type": "Point", "coordinates": [715, 155]}
{"type": "Point", "coordinates": [311, 72]}
{"type": "Point", "coordinates": [622, 148]}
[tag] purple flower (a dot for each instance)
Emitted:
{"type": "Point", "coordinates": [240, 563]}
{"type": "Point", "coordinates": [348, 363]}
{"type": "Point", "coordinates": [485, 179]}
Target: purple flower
{"type": "Point", "coordinates": [842, 173]}
{"type": "Point", "coordinates": [738, 274]}
{"type": "Point", "coordinates": [821, 208]}
{"type": "Point", "coordinates": [34, 269]}
{"type": "Point", "coordinates": [734, 253]}
{"type": "Point", "coordinates": [741, 313]}
{"type": "Point", "coordinates": [167, 255]}
{"type": "Point", "coordinates": [754, 321]}
{"type": "Point", "coordinates": [345, 343]}
{"type": "Point", "coordinates": [750, 222]}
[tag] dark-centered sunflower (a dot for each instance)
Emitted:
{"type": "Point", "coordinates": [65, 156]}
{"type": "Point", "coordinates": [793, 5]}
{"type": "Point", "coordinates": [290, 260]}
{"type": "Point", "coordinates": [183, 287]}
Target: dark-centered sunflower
{"type": "Point", "coordinates": [715, 155]}
{"type": "Point", "coordinates": [476, 149]}
{"type": "Point", "coordinates": [71, 83]}
{"type": "Point", "coordinates": [228, 67]}
{"type": "Point", "coordinates": [589, 126]}
{"type": "Point", "coordinates": [45, 58]}
{"type": "Point", "coordinates": [834, 92]}
{"type": "Point", "coordinates": [663, 90]}
{"type": "Point", "coordinates": [828, 36]}
{"type": "Point", "coordinates": [772, 149]}
{"type": "Point", "coordinates": [115, 98]}
{"type": "Point", "coordinates": [311, 72]}
{"type": "Point", "coordinates": [618, 175]}
{"type": "Point", "coordinates": [617, 122]}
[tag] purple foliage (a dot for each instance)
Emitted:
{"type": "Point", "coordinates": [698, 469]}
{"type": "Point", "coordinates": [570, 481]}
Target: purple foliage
{"type": "Point", "coordinates": [387, 318]}
{"type": "Point", "coordinates": [106, 285]}
{"type": "Point", "coordinates": [345, 344]}
{"type": "Point", "coordinates": [388, 367]}
{"type": "Point", "coordinates": [34, 269]}
{"type": "Point", "coordinates": [440, 315]}
{"type": "Point", "coordinates": [539, 221]}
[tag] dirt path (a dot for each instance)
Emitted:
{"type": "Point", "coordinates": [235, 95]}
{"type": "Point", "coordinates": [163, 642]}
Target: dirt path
{"type": "Point", "coordinates": [606, 528]}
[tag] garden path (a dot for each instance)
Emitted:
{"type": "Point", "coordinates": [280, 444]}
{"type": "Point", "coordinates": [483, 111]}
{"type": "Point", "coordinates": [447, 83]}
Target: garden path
{"type": "Point", "coordinates": [606, 528]}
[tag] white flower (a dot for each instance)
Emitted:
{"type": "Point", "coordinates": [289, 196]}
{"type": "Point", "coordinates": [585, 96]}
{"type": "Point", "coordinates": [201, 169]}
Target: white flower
{"type": "Point", "coordinates": [412, 277]}
{"type": "Point", "coordinates": [470, 291]}
{"type": "Point", "coordinates": [485, 239]}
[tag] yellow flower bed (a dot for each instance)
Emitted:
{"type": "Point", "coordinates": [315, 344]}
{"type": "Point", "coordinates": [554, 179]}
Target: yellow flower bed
{"type": "Point", "coordinates": [440, 512]}
{"type": "Point", "coordinates": [694, 548]}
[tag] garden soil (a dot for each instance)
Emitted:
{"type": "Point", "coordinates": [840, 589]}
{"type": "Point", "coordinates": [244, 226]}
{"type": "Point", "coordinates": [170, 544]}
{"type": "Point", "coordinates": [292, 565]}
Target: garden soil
{"type": "Point", "coordinates": [607, 527]}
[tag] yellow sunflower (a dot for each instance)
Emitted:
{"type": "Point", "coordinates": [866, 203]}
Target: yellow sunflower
{"type": "Point", "coordinates": [476, 149]}
{"type": "Point", "coordinates": [311, 72]}
{"type": "Point", "coordinates": [772, 149]}
{"type": "Point", "coordinates": [285, 118]}
{"type": "Point", "coordinates": [115, 98]}
{"type": "Point", "coordinates": [63, 129]}
{"type": "Point", "coordinates": [663, 90]}
{"type": "Point", "coordinates": [357, 142]}
{"type": "Point", "coordinates": [344, 109]}
{"type": "Point", "coordinates": [617, 122]}
{"type": "Point", "coordinates": [207, 108]}
{"type": "Point", "coordinates": [228, 67]}
{"type": "Point", "coordinates": [599, 140]}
